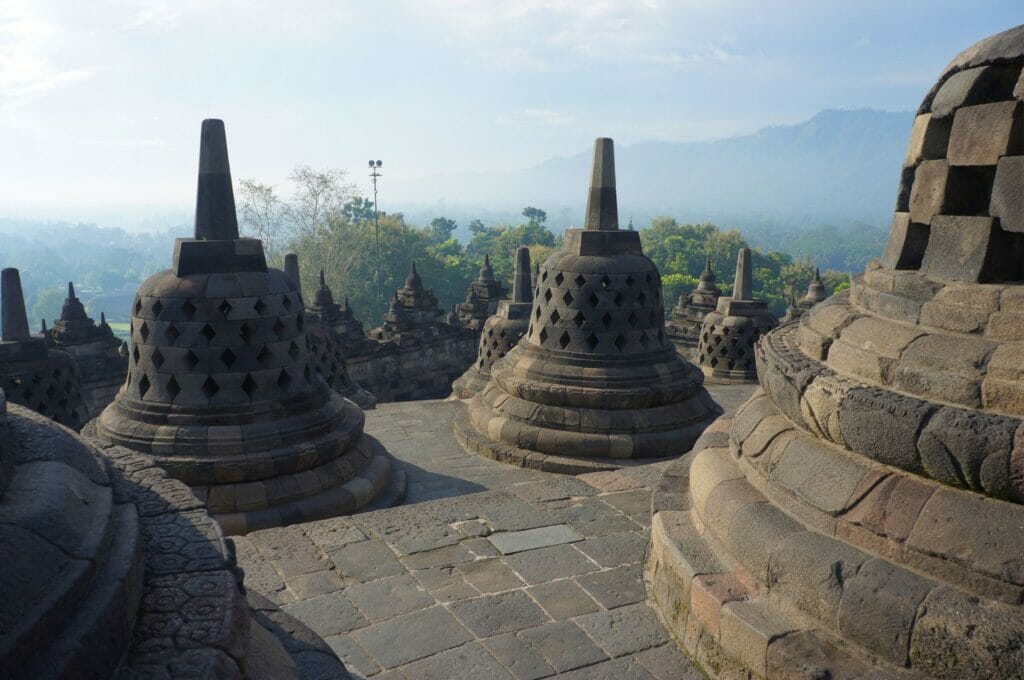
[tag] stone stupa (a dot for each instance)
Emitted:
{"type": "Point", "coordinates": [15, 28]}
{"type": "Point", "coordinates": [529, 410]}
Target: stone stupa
{"type": "Point", "coordinates": [114, 570]}
{"type": "Point", "coordinates": [221, 388]}
{"type": "Point", "coordinates": [95, 349]}
{"type": "Point", "coordinates": [43, 379]}
{"type": "Point", "coordinates": [862, 515]}
{"type": "Point", "coordinates": [725, 350]}
{"type": "Point", "coordinates": [816, 293]}
{"type": "Point", "coordinates": [595, 382]}
{"type": "Point", "coordinates": [501, 332]}
{"type": "Point", "coordinates": [325, 347]}
{"type": "Point", "coordinates": [690, 311]}
{"type": "Point", "coordinates": [482, 298]}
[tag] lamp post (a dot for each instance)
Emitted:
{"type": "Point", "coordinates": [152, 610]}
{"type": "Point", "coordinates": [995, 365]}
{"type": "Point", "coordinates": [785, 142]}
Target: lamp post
{"type": "Point", "coordinates": [374, 174]}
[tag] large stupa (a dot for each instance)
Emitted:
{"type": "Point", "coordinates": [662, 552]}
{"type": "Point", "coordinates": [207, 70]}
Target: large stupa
{"type": "Point", "coordinates": [221, 388]}
{"type": "Point", "coordinates": [595, 381]}
{"type": "Point", "coordinates": [862, 515]}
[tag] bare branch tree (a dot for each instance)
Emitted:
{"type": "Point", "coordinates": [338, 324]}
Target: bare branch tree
{"type": "Point", "coordinates": [262, 216]}
{"type": "Point", "coordinates": [319, 195]}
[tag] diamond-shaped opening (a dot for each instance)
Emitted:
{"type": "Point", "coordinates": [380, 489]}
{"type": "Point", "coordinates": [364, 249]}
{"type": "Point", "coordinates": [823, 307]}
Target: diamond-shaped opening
{"type": "Point", "coordinates": [579, 319]}
{"type": "Point", "coordinates": [547, 295]}
{"type": "Point", "coordinates": [189, 309]}
{"type": "Point", "coordinates": [158, 358]}
{"type": "Point", "coordinates": [544, 275]}
{"type": "Point", "coordinates": [249, 385]}
{"type": "Point", "coordinates": [207, 332]}
{"type": "Point", "coordinates": [144, 385]}
{"type": "Point", "coordinates": [605, 282]}
{"type": "Point", "coordinates": [606, 319]}
{"type": "Point", "coordinates": [543, 335]}
{"type": "Point", "coordinates": [51, 392]}
{"type": "Point", "coordinates": [580, 280]}
{"type": "Point", "coordinates": [644, 339]}
{"type": "Point", "coordinates": [172, 333]}
{"type": "Point", "coordinates": [245, 332]}
{"type": "Point", "coordinates": [228, 357]}
{"type": "Point", "coordinates": [173, 388]}
{"type": "Point", "coordinates": [138, 305]}
{"type": "Point", "coordinates": [618, 299]}
{"type": "Point", "coordinates": [567, 298]}
{"type": "Point", "coordinates": [225, 308]}
{"type": "Point", "coordinates": [555, 316]}
{"type": "Point", "coordinates": [157, 308]}
{"type": "Point", "coordinates": [190, 360]}
{"type": "Point", "coordinates": [536, 312]}
{"type": "Point", "coordinates": [564, 339]}
{"type": "Point", "coordinates": [286, 302]}
{"type": "Point", "coordinates": [620, 342]}
{"type": "Point", "coordinates": [144, 331]}
{"type": "Point", "coordinates": [592, 342]}
{"type": "Point", "coordinates": [293, 350]}
{"type": "Point", "coordinates": [260, 306]}
{"type": "Point", "coordinates": [300, 321]}
{"type": "Point", "coordinates": [210, 387]}
{"type": "Point", "coordinates": [279, 328]}
{"type": "Point", "coordinates": [593, 299]}
{"type": "Point", "coordinates": [630, 280]}
{"type": "Point", "coordinates": [559, 278]}
{"type": "Point", "coordinates": [307, 375]}
{"type": "Point", "coordinates": [135, 353]}
{"type": "Point", "coordinates": [641, 298]}
{"type": "Point", "coordinates": [632, 319]}
{"type": "Point", "coordinates": [283, 379]}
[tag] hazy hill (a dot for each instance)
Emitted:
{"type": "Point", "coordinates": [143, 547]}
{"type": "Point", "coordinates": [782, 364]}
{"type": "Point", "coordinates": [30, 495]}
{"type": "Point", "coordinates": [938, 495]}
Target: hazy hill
{"type": "Point", "coordinates": [840, 166]}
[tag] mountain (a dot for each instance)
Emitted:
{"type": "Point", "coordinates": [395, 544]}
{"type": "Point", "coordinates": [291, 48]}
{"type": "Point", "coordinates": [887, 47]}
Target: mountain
{"type": "Point", "coordinates": [838, 167]}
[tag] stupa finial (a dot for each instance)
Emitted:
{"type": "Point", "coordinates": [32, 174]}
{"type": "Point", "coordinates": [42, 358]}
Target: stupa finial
{"type": "Point", "coordinates": [12, 306]}
{"type": "Point", "coordinates": [521, 290]}
{"type": "Point", "coordinates": [215, 199]}
{"type": "Point", "coordinates": [602, 204]}
{"type": "Point", "coordinates": [291, 269]}
{"type": "Point", "coordinates": [743, 287]}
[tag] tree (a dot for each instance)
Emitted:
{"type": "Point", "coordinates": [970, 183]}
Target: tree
{"type": "Point", "coordinates": [48, 305]}
{"type": "Point", "coordinates": [319, 195]}
{"type": "Point", "coordinates": [262, 214]}
{"type": "Point", "coordinates": [535, 216]}
{"type": "Point", "coordinates": [441, 229]}
{"type": "Point", "coordinates": [358, 210]}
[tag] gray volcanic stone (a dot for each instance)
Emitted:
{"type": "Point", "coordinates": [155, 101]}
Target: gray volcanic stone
{"type": "Point", "coordinates": [413, 636]}
{"type": "Point", "coordinates": [1007, 200]}
{"type": "Point", "coordinates": [496, 614]}
{"type": "Point", "coordinates": [547, 564]}
{"type": "Point", "coordinates": [625, 630]}
{"type": "Point", "coordinates": [983, 133]}
{"type": "Point", "coordinates": [615, 587]}
{"type": "Point", "coordinates": [563, 644]}
{"type": "Point", "coordinates": [563, 599]}
{"type": "Point", "coordinates": [969, 449]}
{"type": "Point", "coordinates": [964, 248]}
{"type": "Point", "coordinates": [469, 661]}
{"type": "Point", "coordinates": [509, 542]}
{"type": "Point", "coordinates": [883, 425]}
{"type": "Point", "coordinates": [520, 659]}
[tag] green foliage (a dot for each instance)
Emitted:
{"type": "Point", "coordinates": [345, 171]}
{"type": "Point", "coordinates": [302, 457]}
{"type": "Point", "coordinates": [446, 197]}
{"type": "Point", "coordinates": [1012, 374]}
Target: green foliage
{"type": "Point", "coordinates": [47, 305]}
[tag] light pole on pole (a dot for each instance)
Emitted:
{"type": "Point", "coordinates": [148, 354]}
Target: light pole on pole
{"type": "Point", "coordinates": [375, 167]}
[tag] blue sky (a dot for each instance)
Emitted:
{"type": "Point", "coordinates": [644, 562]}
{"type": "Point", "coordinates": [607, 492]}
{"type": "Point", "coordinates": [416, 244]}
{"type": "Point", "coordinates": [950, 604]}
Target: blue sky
{"type": "Point", "coordinates": [100, 101]}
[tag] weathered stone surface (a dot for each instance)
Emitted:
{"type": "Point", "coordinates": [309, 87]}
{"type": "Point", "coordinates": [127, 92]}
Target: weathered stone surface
{"type": "Point", "coordinates": [529, 539]}
{"type": "Point", "coordinates": [928, 195]}
{"type": "Point", "coordinates": [883, 425]}
{"type": "Point", "coordinates": [907, 242]}
{"type": "Point", "coordinates": [563, 599]}
{"type": "Point", "coordinates": [496, 614]}
{"type": "Point", "coordinates": [974, 249]}
{"type": "Point", "coordinates": [546, 564]}
{"type": "Point", "coordinates": [615, 587]}
{"type": "Point", "coordinates": [624, 630]}
{"type": "Point", "coordinates": [413, 636]}
{"type": "Point", "coordinates": [969, 449]}
{"type": "Point", "coordinates": [985, 132]}
{"type": "Point", "coordinates": [524, 662]}
{"type": "Point", "coordinates": [388, 597]}
{"type": "Point", "coordinates": [564, 645]}
{"type": "Point", "coordinates": [1007, 201]}
{"type": "Point", "coordinates": [489, 575]}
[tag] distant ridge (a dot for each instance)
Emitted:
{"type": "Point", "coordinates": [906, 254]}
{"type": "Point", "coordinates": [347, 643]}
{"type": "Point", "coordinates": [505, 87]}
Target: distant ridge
{"type": "Point", "coordinates": [839, 166]}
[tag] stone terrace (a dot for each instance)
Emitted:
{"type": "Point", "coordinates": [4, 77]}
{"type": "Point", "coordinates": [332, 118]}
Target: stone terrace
{"type": "Point", "coordinates": [487, 570]}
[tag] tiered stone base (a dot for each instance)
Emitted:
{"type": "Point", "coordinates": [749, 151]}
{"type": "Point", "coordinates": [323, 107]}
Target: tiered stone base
{"type": "Point", "coordinates": [777, 554]}
{"type": "Point", "coordinates": [293, 468]}
{"type": "Point", "coordinates": [112, 569]}
{"type": "Point", "coordinates": [582, 417]}
{"type": "Point", "coordinates": [417, 371]}
{"type": "Point", "coordinates": [470, 383]}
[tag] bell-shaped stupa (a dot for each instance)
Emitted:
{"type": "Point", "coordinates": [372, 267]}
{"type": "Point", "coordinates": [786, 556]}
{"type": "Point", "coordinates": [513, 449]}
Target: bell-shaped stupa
{"type": "Point", "coordinates": [41, 378]}
{"type": "Point", "coordinates": [725, 350]}
{"type": "Point", "coordinates": [690, 311]}
{"type": "Point", "coordinates": [595, 381]}
{"type": "Point", "coordinates": [95, 349]}
{"type": "Point", "coordinates": [221, 388]}
{"type": "Point", "coordinates": [862, 515]}
{"type": "Point", "coordinates": [501, 332]}
{"type": "Point", "coordinates": [482, 298]}
{"type": "Point", "coordinates": [324, 345]}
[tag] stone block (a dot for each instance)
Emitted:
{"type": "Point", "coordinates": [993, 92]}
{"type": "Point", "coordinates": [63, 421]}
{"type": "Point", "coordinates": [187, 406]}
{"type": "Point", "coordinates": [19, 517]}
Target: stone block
{"type": "Point", "coordinates": [928, 195]}
{"type": "Point", "coordinates": [883, 425]}
{"type": "Point", "coordinates": [747, 628]}
{"type": "Point", "coordinates": [546, 564]}
{"type": "Point", "coordinates": [975, 249]}
{"type": "Point", "coordinates": [614, 549]}
{"type": "Point", "coordinates": [615, 587]}
{"type": "Point", "coordinates": [327, 614]}
{"type": "Point", "coordinates": [1008, 193]}
{"type": "Point", "coordinates": [563, 599]}
{"type": "Point", "coordinates": [972, 86]}
{"type": "Point", "coordinates": [388, 597]}
{"type": "Point", "coordinates": [520, 659]}
{"type": "Point", "coordinates": [928, 138]}
{"type": "Point", "coordinates": [944, 368]}
{"type": "Point", "coordinates": [708, 593]}
{"type": "Point", "coordinates": [754, 532]}
{"type": "Point", "coordinates": [1003, 386]}
{"type": "Point", "coordinates": [969, 449]}
{"type": "Point", "coordinates": [625, 630]}
{"type": "Point", "coordinates": [907, 242]}
{"type": "Point", "coordinates": [959, 636]}
{"type": "Point", "coordinates": [497, 614]}
{"type": "Point", "coordinates": [879, 606]}
{"type": "Point", "coordinates": [563, 645]}
{"type": "Point", "coordinates": [509, 542]}
{"type": "Point", "coordinates": [812, 571]}
{"type": "Point", "coordinates": [983, 133]}
{"type": "Point", "coordinates": [812, 470]}
{"type": "Point", "coordinates": [489, 575]}
{"type": "Point", "coordinates": [804, 654]}
{"type": "Point", "coordinates": [422, 633]}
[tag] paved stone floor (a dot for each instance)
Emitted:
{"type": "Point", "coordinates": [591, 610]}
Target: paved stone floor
{"type": "Point", "coordinates": [486, 571]}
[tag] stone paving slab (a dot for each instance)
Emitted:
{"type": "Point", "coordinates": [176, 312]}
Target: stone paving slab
{"type": "Point", "coordinates": [421, 590]}
{"type": "Point", "coordinates": [509, 542]}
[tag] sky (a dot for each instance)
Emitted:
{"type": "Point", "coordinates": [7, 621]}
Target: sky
{"type": "Point", "coordinates": [101, 101]}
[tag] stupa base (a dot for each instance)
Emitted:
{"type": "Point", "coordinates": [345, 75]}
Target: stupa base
{"type": "Point", "coordinates": [470, 383]}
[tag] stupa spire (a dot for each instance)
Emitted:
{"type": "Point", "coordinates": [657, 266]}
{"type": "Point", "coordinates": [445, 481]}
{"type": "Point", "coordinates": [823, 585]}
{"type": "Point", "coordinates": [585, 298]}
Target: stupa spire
{"type": "Point", "coordinates": [743, 287]}
{"type": "Point", "coordinates": [602, 204]}
{"type": "Point", "coordinates": [521, 290]}
{"type": "Point", "coordinates": [12, 302]}
{"type": "Point", "coordinates": [291, 269]}
{"type": "Point", "coordinates": [215, 198]}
